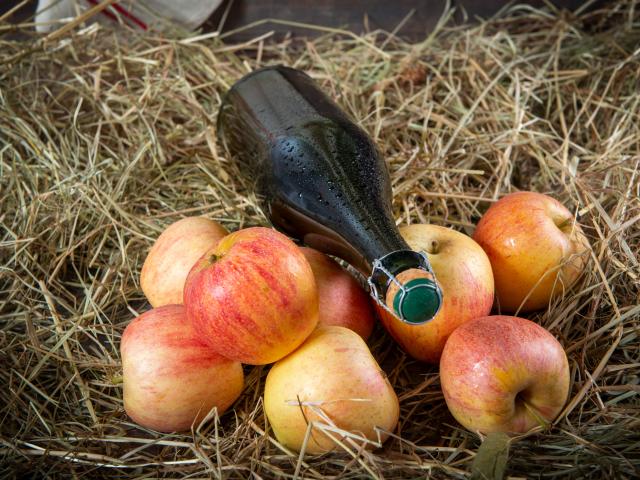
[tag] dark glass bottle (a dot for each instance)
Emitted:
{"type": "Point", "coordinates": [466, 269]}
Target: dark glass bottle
{"type": "Point", "coordinates": [323, 181]}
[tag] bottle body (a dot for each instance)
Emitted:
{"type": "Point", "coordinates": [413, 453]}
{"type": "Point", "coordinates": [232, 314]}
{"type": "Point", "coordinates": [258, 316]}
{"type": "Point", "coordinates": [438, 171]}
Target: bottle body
{"type": "Point", "coordinates": [319, 176]}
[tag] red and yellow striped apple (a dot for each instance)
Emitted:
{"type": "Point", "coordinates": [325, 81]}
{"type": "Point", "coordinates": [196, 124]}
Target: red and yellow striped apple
{"type": "Point", "coordinates": [504, 374]}
{"type": "Point", "coordinates": [253, 297]}
{"type": "Point", "coordinates": [343, 302]}
{"type": "Point", "coordinates": [536, 249]}
{"type": "Point", "coordinates": [171, 378]}
{"type": "Point", "coordinates": [332, 379]}
{"type": "Point", "coordinates": [173, 254]}
{"type": "Point", "coordinates": [464, 273]}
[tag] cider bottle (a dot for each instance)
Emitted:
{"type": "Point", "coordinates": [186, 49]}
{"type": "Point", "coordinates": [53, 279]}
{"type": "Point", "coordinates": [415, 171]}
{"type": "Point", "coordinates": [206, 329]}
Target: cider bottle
{"type": "Point", "coordinates": [321, 179]}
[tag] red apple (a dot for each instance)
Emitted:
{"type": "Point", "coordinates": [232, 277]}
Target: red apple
{"type": "Point", "coordinates": [173, 254]}
{"type": "Point", "coordinates": [253, 297]}
{"type": "Point", "coordinates": [462, 270]}
{"type": "Point", "coordinates": [535, 247]}
{"type": "Point", "coordinates": [504, 374]}
{"type": "Point", "coordinates": [343, 302]}
{"type": "Point", "coordinates": [171, 378]}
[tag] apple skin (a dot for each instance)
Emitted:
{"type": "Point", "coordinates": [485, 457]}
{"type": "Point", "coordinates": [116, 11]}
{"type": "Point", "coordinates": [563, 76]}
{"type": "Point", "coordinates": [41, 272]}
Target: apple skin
{"type": "Point", "coordinates": [253, 297]}
{"type": "Point", "coordinates": [335, 371]}
{"type": "Point", "coordinates": [173, 254]}
{"type": "Point", "coordinates": [463, 272]}
{"type": "Point", "coordinates": [171, 378]}
{"type": "Point", "coordinates": [535, 248]}
{"type": "Point", "coordinates": [493, 367]}
{"type": "Point", "coordinates": [342, 301]}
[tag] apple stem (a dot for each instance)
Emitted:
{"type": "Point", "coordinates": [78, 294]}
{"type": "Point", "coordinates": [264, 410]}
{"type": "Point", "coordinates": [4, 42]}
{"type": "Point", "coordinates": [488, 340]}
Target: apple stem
{"type": "Point", "coordinates": [565, 224]}
{"type": "Point", "coordinates": [535, 414]}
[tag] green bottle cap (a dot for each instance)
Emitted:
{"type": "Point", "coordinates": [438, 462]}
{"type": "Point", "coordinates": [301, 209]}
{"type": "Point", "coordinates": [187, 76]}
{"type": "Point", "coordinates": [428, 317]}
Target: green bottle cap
{"type": "Point", "coordinates": [417, 301]}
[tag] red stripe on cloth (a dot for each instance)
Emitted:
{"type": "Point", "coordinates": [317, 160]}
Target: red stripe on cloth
{"type": "Point", "coordinates": [125, 13]}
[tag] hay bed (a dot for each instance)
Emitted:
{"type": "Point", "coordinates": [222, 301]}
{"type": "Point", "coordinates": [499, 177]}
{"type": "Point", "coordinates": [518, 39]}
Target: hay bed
{"type": "Point", "coordinates": [106, 139]}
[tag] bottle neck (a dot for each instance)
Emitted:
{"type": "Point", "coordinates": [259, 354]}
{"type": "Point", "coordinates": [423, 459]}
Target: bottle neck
{"type": "Point", "coordinates": [403, 283]}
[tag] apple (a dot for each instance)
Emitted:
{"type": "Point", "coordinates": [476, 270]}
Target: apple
{"type": "Point", "coordinates": [504, 374]}
{"type": "Point", "coordinates": [463, 272]}
{"type": "Point", "coordinates": [253, 297]}
{"type": "Point", "coordinates": [342, 301]}
{"type": "Point", "coordinates": [332, 380]}
{"type": "Point", "coordinates": [173, 254]}
{"type": "Point", "coordinates": [535, 247]}
{"type": "Point", "coordinates": [171, 378]}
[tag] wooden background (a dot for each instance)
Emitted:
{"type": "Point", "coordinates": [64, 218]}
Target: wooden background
{"type": "Point", "coordinates": [354, 15]}
{"type": "Point", "coordinates": [351, 14]}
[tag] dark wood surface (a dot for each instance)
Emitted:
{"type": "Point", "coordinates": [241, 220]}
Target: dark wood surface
{"type": "Point", "coordinates": [23, 14]}
{"type": "Point", "coordinates": [419, 16]}
{"type": "Point", "coordinates": [355, 15]}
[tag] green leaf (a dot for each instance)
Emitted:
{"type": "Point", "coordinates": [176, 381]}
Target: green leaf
{"type": "Point", "coordinates": [491, 460]}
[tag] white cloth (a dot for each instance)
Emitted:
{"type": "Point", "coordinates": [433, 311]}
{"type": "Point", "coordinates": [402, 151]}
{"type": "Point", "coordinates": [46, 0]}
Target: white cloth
{"type": "Point", "coordinates": [141, 14]}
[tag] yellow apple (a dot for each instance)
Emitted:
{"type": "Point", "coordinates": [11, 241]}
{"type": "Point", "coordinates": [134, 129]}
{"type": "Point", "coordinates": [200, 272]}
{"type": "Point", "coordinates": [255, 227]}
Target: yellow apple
{"type": "Point", "coordinates": [173, 254]}
{"type": "Point", "coordinates": [332, 379]}
{"type": "Point", "coordinates": [462, 270]}
{"type": "Point", "coordinates": [536, 249]}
